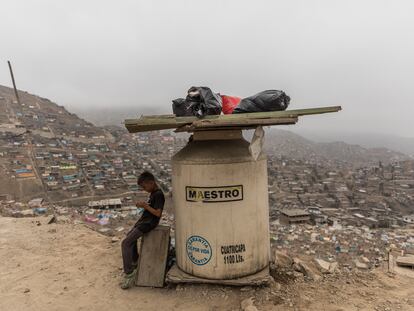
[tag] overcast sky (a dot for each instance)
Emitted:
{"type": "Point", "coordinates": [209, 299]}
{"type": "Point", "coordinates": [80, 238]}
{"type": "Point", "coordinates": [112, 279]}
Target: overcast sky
{"type": "Point", "coordinates": [97, 54]}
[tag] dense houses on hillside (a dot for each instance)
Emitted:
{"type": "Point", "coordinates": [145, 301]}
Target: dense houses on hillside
{"type": "Point", "coordinates": [377, 196]}
{"type": "Point", "coordinates": [68, 167]}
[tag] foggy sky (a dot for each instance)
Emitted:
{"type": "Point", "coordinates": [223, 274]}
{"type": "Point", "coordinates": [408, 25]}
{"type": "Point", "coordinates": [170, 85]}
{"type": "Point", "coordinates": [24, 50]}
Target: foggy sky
{"type": "Point", "coordinates": [103, 54]}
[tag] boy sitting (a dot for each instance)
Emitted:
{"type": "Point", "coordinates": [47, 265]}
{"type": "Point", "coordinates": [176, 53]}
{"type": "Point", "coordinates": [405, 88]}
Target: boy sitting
{"type": "Point", "coordinates": [148, 221]}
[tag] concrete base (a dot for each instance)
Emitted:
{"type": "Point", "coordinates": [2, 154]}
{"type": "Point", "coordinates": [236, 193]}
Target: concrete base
{"type": "Point", "coordinates": [177, 276]}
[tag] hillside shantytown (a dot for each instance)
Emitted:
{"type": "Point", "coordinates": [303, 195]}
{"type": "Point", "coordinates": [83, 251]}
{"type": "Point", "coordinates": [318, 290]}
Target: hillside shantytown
{"type": "Point", "coordinates": [207, 155]}
{"type": "Point", "coordinates": [343, 212]}
{"type": "Point", "coordinates": [61, 158]}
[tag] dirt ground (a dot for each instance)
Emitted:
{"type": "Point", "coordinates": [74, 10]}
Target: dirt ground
{"type": "Point", "coordinates": [70, 267]}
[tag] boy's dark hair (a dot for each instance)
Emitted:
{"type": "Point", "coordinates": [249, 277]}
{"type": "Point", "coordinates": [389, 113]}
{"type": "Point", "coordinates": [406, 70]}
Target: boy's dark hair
{"type": "Point", "coordinates": [145, 176]}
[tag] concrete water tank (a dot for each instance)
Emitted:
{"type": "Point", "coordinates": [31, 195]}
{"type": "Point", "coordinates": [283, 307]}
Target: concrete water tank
{"type": "Point", "coordinates": [221, 206]}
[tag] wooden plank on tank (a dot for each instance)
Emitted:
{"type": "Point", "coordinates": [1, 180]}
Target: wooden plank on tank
{"type": "Point", "coordinates": [266, 114]}
{"type": "Point", "coordinates": [161, 122]}
{"type": "Point", "coordinates": [235, 122]}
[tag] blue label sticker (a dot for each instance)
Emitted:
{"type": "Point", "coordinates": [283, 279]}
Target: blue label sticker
{"type": "Point", "coordinates": [198, 250]}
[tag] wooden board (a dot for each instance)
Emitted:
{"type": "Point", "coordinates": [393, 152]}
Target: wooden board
{"type": "Point", "coordinates": [162, 122]}
{"type": "Point", "coordinates": [253, 115]}
{"type": "Point", "coordinates": [200, 125]}
{"type": "Point", "coordinates": [153, 257]}
{"type": "Point", "coordinates": [175, 275]}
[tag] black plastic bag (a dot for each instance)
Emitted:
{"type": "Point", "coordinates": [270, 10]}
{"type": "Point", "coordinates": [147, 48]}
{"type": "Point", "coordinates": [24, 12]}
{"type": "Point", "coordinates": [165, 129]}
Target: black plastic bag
{"type": "Point", "coordinates": [270, 100]}
{"type": "Point", "coordinates": [203, 101]}
{"type": "Point", "coordinates": [182, 108]}
{"type": "Point", "coordinates": [200, 101]}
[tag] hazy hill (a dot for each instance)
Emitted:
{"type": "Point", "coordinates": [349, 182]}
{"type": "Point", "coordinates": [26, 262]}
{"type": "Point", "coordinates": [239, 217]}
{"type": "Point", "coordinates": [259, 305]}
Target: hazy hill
{"type": "Point", "coordinates": [43, 116]}
{"type": "Point", "coordinates": [286, 143]}
{"type": "Point", "coordinates": [368, 140]}
{"type": "Point", "coordinates": [116, 116]}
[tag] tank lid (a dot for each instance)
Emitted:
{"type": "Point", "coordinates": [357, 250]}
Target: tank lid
{"type": "Point", "coordinates": [218, 135]}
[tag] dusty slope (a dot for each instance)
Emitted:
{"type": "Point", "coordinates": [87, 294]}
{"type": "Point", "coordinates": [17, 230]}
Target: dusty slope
{"type": "Point", "coordinates": [69, 267]}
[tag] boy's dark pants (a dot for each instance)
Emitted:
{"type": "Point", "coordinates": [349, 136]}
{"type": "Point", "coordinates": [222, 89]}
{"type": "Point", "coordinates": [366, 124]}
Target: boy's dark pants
{"type": "Point", "coordinates": [130, 249]}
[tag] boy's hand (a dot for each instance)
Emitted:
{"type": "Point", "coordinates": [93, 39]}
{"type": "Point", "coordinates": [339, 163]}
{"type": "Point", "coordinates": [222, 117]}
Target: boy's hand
{"type": "Point", "coordinates": [147, 207]}
{"type": "Point", "coordinates": [141, 204]}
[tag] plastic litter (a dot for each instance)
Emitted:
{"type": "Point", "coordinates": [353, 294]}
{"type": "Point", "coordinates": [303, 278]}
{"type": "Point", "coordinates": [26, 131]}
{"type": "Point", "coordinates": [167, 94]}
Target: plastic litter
{"type": "Point", "coordinates": [204, 101]}
{"type": "Point", "coordinates": [182, 108]}
{"type": "Point", "coordinates": [229, 103]}
{"type": "Point", "coordinates": [40, 210]}
{"type": "Point", "coordinates": [91, 219]}
{"type": "Point", "coordinates": [103, 221]}
{"type": "Point", "coordinates": [200, 101]}
{"type": "Point", "coordinates": [270, 100]}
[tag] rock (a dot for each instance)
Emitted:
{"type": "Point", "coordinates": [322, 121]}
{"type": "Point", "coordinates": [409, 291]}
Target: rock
{"type": "Point", "coordinates": [51, 219]}
{"type": "Point", "coordinates": [322, 265]}
{"type": "Point", "coordinates": [298, 275]}
{"type": "Point", "coordinates": [63, 219]}
{"type": "Point", "coordinates": [365, 259]}
{"type": "Point", "coordinates": [333, 267]}
{"type": "Point", "coordinates": [250, 308]}
{"type": "Point", "coordinates": [104, 230]}
{"type": "Point", "coordinates": [26, 290]}
{"type": "Point", "coordinates": [325, 266]}
{"type": "Point", "coordinates": [282, 259]}
{"type": "Point", "coordinates": [246, 289]}
{"type": "Point", "coordinates": [27, 212]}
{"type": "Point", "coordinates": [360, 265]}
{"type": "Point", "coordinates": [115, 239]}
{"type": "Point", "coordinates": [277, 286]}
{"type": "Point", "coordinates": [61, 210]}
{"type": "Point", "coordinates": [246, 303]}
{"type": "Point", "coordinates": [307, 271]}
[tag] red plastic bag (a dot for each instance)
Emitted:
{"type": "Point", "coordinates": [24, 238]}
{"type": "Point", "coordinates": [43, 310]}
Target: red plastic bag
{"type": "Point", "coordinates": [229, 103]}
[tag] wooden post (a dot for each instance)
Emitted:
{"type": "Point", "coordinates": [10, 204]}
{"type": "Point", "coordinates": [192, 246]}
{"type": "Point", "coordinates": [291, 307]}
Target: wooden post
{"type": "Point", "coordinates": [14, 83]}
{"type": "Point", "coordinates": [389, 260]}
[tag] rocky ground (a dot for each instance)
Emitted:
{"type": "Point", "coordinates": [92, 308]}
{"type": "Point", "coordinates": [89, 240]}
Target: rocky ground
{"type": "Point", "coordinates": [66, 266]}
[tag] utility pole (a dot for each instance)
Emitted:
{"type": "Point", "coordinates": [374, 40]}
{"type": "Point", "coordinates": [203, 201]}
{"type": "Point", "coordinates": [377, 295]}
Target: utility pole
{"type": "Point", "coordinates": [14, 83]}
